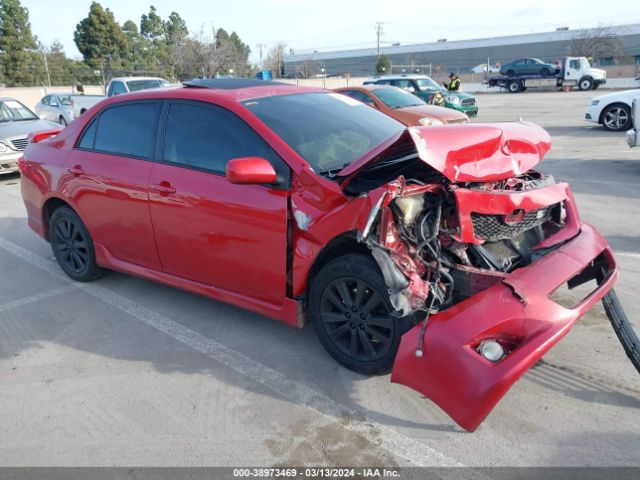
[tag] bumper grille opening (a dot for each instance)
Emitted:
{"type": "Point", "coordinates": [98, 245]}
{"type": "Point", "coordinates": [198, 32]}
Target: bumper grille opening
{"type": "Point", "coordinates": [20, 143]}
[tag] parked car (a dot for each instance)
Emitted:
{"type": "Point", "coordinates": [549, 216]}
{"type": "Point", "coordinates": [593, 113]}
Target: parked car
{"type": "Point", "coordinates": [612, 110]}
{"type": "Point", "coordinates": [122, 85]}
{"type": "Point", "coordinates": [56, 107]}
{"type": "Point", "coordinates": [529, 66]}
{"type": "Point", "coordinates": [429, 91]}
{"type": "Point", "coordinates": [301, 203]}
{"type": "Point", "coordinates": [633, 135]}
{"type": "Point", "coordinates": [16, 123]}
{"type": "Point", "coordinates": [402, 105]}
{"type": "Point", "coordinates": [118, 86]}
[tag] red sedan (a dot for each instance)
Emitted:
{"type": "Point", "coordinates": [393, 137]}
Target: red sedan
{"type": "Point", "coordinates": [432, 252]}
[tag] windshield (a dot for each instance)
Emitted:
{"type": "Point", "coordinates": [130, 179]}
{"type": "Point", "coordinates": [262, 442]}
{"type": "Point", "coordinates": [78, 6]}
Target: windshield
{"type": "Point", "coordinates": [427, 84]}
{"type": "Point", "coordinates": [397, 98]}
{"type": "Point", "coordinates": [136, 85]}
{"type": "Point", "coordinates": [65, 99]}
{"type": "Point", "coordinates": [328, 130]}
{"type": "Point", "coordinates": [14, 111]}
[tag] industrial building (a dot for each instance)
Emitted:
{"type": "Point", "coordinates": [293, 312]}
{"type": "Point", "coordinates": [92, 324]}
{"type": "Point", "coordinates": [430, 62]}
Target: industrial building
{"type": "Point", "coordinates": [462, 55]}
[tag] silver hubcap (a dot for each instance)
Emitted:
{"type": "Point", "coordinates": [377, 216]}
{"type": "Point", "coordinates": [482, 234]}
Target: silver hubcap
{"type": "Point", "coordinates": [616, 118]}
{"type": "Point", "coordinates": [586, 85]}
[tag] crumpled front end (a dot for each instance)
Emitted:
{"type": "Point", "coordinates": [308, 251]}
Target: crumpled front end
{"type": "Point", "coordinates": [479, 262]}
{"type": "Point", "coordinates": [516, 312]}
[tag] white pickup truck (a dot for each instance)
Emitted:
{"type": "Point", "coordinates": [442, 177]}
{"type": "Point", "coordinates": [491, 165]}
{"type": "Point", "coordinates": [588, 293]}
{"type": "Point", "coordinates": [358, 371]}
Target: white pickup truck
{"type": "Point", "coordinates": [117, 86]}
{"type": "Point", "coordinates": [633, 135]}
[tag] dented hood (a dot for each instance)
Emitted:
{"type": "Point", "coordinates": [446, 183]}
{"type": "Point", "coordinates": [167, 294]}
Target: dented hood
{"type": "Point", "coordinates": [472, 152]}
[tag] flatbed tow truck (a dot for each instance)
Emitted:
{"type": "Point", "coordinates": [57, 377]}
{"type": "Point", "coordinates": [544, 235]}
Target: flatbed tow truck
{"type": "Point", "coordinates": [574, 71]}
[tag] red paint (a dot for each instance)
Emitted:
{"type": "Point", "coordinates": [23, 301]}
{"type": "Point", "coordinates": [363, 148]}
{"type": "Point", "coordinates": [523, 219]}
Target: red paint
{"type": "Point", "coordinates": [251, 170]}
{"type": "Point", "coordinates": [238, 239]}
{"type": "Point", "coordinates": [455, 376]}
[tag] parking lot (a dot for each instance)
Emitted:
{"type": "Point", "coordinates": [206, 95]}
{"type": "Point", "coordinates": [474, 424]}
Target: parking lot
{"type": "Point", "coordinates": [124, 371]}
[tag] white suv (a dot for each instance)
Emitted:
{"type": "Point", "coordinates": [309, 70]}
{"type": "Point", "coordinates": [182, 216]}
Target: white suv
{"type": "Point", "coordinates": [612, 110]}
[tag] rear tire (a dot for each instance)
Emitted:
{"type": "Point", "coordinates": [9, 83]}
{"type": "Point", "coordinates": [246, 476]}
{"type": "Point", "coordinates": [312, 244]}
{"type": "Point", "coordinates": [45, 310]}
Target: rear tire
{"type": "Point", "coordinates": [72, 246]}
{"type": "Point", "coordinates": [514, 86]}
{"type": "Point", "coordinates": [623, 328]}
{"type": "Point", "coordinates": [350, 310]}
{"type": "Point", "coordinates": [62, 121]}
{"type": "Point", "coordinates": [511, 73]}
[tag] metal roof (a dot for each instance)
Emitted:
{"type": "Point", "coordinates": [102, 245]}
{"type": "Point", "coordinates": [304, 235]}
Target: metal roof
{"type": "Point", "coordinates": [563, 35]}
{"type": "Point", "coordinates": [229, 83]}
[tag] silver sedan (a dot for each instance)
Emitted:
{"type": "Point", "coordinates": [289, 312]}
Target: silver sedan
{"type": "Point", "coordinates": [16, 123]}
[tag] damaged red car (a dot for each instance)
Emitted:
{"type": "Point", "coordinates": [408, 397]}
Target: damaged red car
{"type": "Point", "coordinates": [429, 252]}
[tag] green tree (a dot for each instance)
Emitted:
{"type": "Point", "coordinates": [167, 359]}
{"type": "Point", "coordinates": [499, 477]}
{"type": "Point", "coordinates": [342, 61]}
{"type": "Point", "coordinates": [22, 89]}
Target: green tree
{"type": "Point", "coordinates": [383, 65]}
{"type": "Point", "coordinates": [18, 57]}
{"type": "Point", "coordinates": [100, 39]}
{"type": "Point", "coordinates": [176, 28]}
{"type": "Point", "coordinates": [59, 65]}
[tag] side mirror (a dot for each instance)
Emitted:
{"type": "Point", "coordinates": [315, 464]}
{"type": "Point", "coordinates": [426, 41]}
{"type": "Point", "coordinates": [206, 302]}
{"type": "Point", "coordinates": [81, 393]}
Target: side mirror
{"type": "Point", "coordinates": [250, 171]}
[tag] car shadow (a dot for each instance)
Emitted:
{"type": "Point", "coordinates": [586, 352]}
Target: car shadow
{"type": "Point", "coordinates": [581, 386]}
{"type": "Point", "coordinates": [82, 322]}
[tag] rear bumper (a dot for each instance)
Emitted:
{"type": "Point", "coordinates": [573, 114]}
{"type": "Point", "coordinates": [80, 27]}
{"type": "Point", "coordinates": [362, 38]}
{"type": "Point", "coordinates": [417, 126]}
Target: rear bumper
{"type": "Point", "coordinates": [518, 312]}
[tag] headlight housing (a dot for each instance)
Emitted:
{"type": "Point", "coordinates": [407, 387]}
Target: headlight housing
{"type": "Point", "coordinates": [452, 99]}
{"type": "Point", "coordinates": [594, 102]}
{"type": "Point", "coordinates": [3, 147]}
{"type": "Point", "coordinates": [428, 122]}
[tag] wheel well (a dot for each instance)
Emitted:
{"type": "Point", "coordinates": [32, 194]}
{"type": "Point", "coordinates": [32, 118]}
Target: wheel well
{"type": "Point", "coordinates": [48, 208]}
{"type": "Point", "coordinates": [341, 245]}
{"type": "Point", "coordinates": [82, 110]}
{"type": "Point", "coordinates": [622, 104]}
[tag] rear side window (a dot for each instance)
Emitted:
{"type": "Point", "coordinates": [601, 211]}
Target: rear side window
{"type": "Point", "coordinates": [126, 129]}
{"type": "Point", "coordinates": [207, 137]}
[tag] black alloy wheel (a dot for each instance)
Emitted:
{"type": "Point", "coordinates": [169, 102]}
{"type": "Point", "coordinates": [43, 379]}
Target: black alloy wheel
{"type": "Point", "coordinates": [350, 309]}
{"type": "Point", "coordinates": [356, 319]}
{"type": "Point", "coordinates": [72, 246]}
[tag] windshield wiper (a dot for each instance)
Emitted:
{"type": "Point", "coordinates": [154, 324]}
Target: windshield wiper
{"type": "Point", "coordinates": [379, 165]}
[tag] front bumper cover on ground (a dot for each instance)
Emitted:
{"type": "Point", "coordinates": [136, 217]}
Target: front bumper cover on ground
{"type": "Point", "coordinates": [517, 312]}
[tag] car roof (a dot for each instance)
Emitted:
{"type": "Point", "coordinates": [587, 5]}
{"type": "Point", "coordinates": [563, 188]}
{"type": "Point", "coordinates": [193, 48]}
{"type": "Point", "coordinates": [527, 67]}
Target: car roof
{"type": "Point", "coordinates": [126, 79]}
{"type": "Point", "coordinates": [400, 76]}
{"type": "Point", "coordinates": [369, 86]}
{"type": "Point", "coordinates": [231, 89]}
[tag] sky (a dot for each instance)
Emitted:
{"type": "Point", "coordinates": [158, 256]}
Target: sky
{"type": "Point", "coordinates": [306, 25]}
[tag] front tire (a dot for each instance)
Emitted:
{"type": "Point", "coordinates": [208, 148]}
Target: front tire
{"type": "Point", "coordinates": [617, 117]}
{"type": "Point", "coordinates": [62, 121]}
{"type": "Point", "coordinates": [72, 246]}
{"type": "Point", "coordinates": [585, 83]}
{"type": "Point", "coordinates": [545, 72]}
{"type": "Point", "coordinates": [350, 310]}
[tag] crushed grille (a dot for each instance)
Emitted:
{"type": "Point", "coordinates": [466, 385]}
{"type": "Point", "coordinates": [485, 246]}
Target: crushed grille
{"type": "Point", "coordinates": [493, 227]}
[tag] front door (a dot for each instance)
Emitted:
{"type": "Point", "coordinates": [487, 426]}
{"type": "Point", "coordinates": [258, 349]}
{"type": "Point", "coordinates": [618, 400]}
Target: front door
{"type": "Point", "coordinates": [208, 230]}
{"type": "Point", "coordinates": [107, 176]}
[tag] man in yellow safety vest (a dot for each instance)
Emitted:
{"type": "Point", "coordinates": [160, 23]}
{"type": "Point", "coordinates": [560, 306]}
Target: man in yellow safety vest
{"type": "Point", "coordinates": [454, 83]}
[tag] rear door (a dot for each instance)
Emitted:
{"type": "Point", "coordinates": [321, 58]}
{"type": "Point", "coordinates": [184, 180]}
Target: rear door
{"type": "Point", "coordinates": [107, 175]}
{"type": "Point", "coordinates": [208, 230]}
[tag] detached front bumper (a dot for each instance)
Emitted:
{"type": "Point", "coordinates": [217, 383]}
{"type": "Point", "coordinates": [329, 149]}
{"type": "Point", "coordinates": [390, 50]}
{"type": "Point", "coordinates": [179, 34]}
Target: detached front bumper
{"type": "Point", "coordinates": [517, 312]}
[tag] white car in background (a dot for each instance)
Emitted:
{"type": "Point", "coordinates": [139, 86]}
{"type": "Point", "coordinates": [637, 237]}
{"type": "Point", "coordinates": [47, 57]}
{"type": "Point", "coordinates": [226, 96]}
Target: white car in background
{"type": "Point", "coordinates": [482, 68]}
{"type": "Point", "coordinates": [56, 107]}
{"type": "Point", "coordinates": [612, 110]}
{"type": "Point", "coordinates": [633, 135]}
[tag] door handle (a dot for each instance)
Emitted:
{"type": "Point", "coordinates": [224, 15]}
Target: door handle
{"type": "Point", "coordinates": [163, 188]}
{"type": "Point", "coordinates": [76, 170]}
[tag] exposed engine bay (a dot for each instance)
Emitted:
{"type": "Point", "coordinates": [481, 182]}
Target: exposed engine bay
{"type": "Point", "coordinates": [414, 235]}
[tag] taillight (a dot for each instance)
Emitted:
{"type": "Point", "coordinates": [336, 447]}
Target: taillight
{"type": "Point", "coordinates": [37, 137]}
{"type": "Point", "coordinates": [22, 164]}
